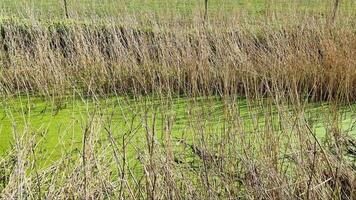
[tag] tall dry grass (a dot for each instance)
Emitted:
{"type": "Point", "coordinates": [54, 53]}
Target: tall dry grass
{"type": "Point", "coordinates": [278, 66]}
{"type": "Point", "coordinates": [305, 57]}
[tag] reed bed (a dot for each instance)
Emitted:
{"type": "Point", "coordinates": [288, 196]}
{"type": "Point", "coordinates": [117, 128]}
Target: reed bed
{"type": "Point", "coordinates": [309, 57]}
{"type": "Point", "coordinates": [273, 151]}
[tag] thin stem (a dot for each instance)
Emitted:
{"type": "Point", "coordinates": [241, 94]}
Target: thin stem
{"type": "Point", "coordinates": [66, 8]}
{"type": "Point", "coordinates": [206, 10]}
{"type": "Point", "coordinates": [336, 7]}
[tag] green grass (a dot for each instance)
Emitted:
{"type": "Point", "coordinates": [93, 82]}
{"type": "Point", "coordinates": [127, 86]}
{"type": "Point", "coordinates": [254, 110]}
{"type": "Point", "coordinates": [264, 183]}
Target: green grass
{"type": "Point", "coordinates": [163, 8]}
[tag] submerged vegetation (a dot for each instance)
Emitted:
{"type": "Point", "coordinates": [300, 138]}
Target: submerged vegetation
{"type": "Point", "coordinates": [255, 105]}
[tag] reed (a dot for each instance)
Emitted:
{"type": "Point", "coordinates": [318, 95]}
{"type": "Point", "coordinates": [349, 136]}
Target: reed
{"type": "Point", "coordinates": [308, 57]}
{"type": "Point", "coordinates": [269, 147]}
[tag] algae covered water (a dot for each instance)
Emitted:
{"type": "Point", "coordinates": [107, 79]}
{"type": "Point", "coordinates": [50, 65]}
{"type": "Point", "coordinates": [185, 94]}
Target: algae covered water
{"type": "Point", "coordinates": [59, 124]}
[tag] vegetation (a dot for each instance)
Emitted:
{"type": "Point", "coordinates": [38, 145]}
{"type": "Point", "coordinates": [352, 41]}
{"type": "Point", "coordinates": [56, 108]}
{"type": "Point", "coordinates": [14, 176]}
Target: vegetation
{"type": "Point", "coordinates": [252, 103]}
{"type": "Point", "coordinates": [165, 10]}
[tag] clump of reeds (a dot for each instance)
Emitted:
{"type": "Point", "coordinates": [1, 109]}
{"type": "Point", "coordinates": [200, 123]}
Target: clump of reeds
{"type": "Point", "coordinates": [307, 57]}
{"type": "Point", "coordinates": [272, 151]}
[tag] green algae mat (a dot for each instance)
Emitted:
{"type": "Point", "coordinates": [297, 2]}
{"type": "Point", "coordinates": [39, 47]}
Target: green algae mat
{"type": "Point", "coordinates": [58, 125]}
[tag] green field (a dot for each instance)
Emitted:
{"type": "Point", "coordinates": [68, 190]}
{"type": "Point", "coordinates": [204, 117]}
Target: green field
{"type": "Point", "coordinates": [163, 9]}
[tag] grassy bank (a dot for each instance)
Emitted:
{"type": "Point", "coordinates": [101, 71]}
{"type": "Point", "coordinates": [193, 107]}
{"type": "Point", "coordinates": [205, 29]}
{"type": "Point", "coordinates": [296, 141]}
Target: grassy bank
{"type": "Point", "coordinates": [310, 57]}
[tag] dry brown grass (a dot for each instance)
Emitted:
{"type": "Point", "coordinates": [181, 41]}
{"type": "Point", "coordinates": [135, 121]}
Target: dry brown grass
{"type": "Point", "coordinates": [290, 62]}
{"type": "Point", "coordinates": [307, 56]}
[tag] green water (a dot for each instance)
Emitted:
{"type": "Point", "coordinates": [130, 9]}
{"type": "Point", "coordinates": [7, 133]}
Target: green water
{"type": "Point", "coordinates": [58, 125]}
